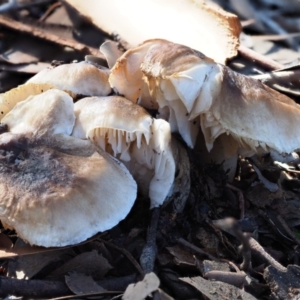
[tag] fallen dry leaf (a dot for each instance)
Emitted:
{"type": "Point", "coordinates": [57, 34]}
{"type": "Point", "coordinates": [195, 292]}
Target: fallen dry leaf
{"type": "Point", "coordinates": [142, 289]}
{"type": "Point", "coordinates": [89, 263]}
{"type": "Point", "coordinates": [187, 23]}
{"type": "Point", "coordinates": [216, 290]}
{"type": "Point", "coordinates": [80, 283]}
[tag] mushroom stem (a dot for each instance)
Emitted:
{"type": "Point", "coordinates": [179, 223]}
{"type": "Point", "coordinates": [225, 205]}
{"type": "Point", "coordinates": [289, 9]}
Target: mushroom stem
{"type": "Point", "coordinates": [149, 252]}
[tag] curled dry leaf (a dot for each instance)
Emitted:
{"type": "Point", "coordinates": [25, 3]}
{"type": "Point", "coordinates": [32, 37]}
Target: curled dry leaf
{"type": "Point", "coordinates": [142, 289]}
{"type": "Point", "coordinates": [128, 132]}
{"type": "Point", "coordinates": [56, 190]}
{"type": "Point", "coordinates": [188, 22]}
{"type": "Point", "coordinates": [191, 89]}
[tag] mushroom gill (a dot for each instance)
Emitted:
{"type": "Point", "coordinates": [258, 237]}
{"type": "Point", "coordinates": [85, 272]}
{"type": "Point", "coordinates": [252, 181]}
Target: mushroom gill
{"type": "Point", "coordinates": [128, 132]}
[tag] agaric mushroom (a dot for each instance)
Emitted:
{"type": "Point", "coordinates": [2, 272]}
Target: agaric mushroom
{"type": "Point", "coordinates": [190, 87]}
{"type": "Point", "coordinates": [57, 190]}
{"type": "Point", "coordinates": [81, 79]}
{"type": "Point", "coordinates": [9, 99]}
{"type": "Point", "coordinates": [171, 76]}
{"type": "Point", "coordinates": [77, 79]}
{"type": "Point", "coordinates": [45, 114]}
{"type": "Point", "coordinates": [128, 132]}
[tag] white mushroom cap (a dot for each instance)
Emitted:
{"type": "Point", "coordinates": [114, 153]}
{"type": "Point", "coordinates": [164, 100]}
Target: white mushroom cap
{"type": "Point", "coordinates": [77, 79]}
{"type": "Point", "coordinates": [52, 198]}
{"type": "Point", "coordinates": [126, 77]}
{"type": "Point", "coordinates": [9, 99]}
{"type": "Point", "coordinates": [128, 132]}
{"type": "Point", "coordinates": [48, 113]}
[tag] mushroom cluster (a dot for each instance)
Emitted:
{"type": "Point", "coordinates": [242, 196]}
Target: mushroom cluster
{"type": "Point", "coordinates": [57, 156]}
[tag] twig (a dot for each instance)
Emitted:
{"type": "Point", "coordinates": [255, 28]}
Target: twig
{"type": "Point", "coordinates": [236, 279]}
{"type": "Point", "coordinates": [196, 249]}
{"type": "Point", "coordinates": [126, 253]}
{"type": "Point", "coordinates": [288, 229]}
{"type": "Point", "coordinates": [47, 289]}
{"type": "Point", "coordinates": [87, 295]}
{"type": "Point", "coordinates": [39, 33]}
{"type": "Point", "coordinates": [276, 77]}
{"type": "Point", "coordinates": [49, 11]}
{"type": "Point", "coordinates": [241, 199]}
{"type": "Point", "coordinates": [260, 251]}
{"type": "Point", "coordinates": [259, 58]}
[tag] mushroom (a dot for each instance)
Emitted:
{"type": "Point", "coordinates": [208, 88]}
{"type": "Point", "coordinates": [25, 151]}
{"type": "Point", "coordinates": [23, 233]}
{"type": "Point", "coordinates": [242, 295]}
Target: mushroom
{"type": "Point", "coordinates": [171, 77]}
{"type": "Point", "coordinates": [9, 99]}
{"type": "Point", "coordinates": [189, 87]}
{"type": "Point", "coordinates": [45, 114]}
{"type": "Point", "coordinates": [128, 132]}
{"type": "Point", "coordinates": [53, 199]}
{"type": "Point", "coordinates": [57, 190]}
{"type": "Point", "coordinates": [77, 79]}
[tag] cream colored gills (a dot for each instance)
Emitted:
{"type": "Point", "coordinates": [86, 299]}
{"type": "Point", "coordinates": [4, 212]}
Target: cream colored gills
{"type": "Point", "coordinates": [128, 132]}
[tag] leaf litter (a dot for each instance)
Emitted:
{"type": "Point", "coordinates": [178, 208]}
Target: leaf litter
{"type": "Point", "coordinates": [264, 243]}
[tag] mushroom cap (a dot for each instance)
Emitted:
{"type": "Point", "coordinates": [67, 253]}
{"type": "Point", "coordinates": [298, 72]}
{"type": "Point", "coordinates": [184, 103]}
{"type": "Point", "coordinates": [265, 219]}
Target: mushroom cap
{"type": "Point", "coordinates": [52, 198]}
{"type": "Point", "coordinates": [9, 99]}
{"type": "Point", "coordinates": [256, 115]}
{"type": "Point", "coordinates": [115, 119]}
{"type": "Point", "coordinates": [126, 77]}
{"type": "Point", "coordinates": [191, 89]}
{"type": "Point", "coordinates": [77, 79]}
{"type": "Point", "coordinates": [168, 76]}
{"type": "Point", "coordinates": [128, 132]}
{"type": "Point", "coordinates": [48, 113]}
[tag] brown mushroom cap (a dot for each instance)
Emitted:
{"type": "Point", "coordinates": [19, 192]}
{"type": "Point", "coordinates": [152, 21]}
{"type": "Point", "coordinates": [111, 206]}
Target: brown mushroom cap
{"type": "Point", "coordinates": [77, 78]}
{"type": "Point", "coordinates": [53, 198]}
{"type": "Point", "coordinates": [191, 88]}
{"type": "Point", "coordinates": [256, 115]}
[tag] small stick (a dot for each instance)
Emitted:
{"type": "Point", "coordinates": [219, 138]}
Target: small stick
{"type": "Point", "coordinates": [196, 249]}
{"type": "Point", "coordinates": [260, 59]}
{"type": "Point", "coordinates": [260, 251]}
{"type": "Point", "coordinates": [47, 289]}
{"type": "Point", "coordinates": [39, 33]}
{"type": "Point", "coordinates": [236, 279]}
{"type": "Point", "coordinates": [241, 199]}
{"type": "Point", "coordinates": [278, 77]}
